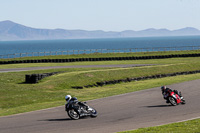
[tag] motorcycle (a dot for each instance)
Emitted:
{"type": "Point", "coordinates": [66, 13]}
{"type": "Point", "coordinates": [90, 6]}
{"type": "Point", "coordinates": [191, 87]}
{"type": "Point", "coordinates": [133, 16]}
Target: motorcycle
{"type": "Point", "coordinates": [174, 99]}
{"type": "Point", "coordinates": [76, 110]}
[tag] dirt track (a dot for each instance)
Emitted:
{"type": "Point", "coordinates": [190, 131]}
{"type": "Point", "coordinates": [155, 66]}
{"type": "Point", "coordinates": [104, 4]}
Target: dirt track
{"type": "Point", "coordinates": [116, 113]}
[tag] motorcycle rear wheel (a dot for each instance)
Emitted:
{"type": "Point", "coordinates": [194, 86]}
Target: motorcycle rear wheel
{"type": "Point", "coordinates": [172, 101]}
{"type": "Point", "coordinates": [73, 114]}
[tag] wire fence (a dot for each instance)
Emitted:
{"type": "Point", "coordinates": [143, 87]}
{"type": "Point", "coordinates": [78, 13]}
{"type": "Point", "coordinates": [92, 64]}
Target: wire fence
{"type": "Point", "coordinates": [92, 51]}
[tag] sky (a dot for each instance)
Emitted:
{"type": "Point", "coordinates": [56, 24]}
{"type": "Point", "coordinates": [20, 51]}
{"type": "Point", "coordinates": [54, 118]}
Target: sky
{"type": "Point", "coordinates": [106, 15]}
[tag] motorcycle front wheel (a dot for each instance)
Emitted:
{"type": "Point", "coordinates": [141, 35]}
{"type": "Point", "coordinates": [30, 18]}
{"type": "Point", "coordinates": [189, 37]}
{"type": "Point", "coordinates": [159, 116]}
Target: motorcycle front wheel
{"type": "Point", "coordinates": [93, 112]}
{"type": "Point", "coordinates": [183, 101]}
{"type": "Point", "coordinates": [172, 101]}
{"type": "Point", "coordinates": [73, 114]}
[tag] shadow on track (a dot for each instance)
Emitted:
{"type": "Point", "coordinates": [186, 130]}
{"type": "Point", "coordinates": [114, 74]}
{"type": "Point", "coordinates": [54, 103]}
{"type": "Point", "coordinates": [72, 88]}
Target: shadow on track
{"type": "Point", "coordinates": [157, 106]}
{"type": "Point", "coordinates": [64, 119]}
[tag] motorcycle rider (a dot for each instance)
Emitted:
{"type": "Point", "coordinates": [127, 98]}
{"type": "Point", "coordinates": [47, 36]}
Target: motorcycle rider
{"type": "Point", "coordinates": [71, 100]}
{"type": "Point", "coordinates": [166, 91]}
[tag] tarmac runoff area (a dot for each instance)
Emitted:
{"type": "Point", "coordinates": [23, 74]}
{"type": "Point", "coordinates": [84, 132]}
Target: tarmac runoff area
{"type": "Point", "coordinates": [116, 113]}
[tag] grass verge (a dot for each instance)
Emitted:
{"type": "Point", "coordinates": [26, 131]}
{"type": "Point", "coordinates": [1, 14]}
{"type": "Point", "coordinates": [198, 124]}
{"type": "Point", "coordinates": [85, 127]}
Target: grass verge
{"type": "Point", "coordinates": [191, 126]}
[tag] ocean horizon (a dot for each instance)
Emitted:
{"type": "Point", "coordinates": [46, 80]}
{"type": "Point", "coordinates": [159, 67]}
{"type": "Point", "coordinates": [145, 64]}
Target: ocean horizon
{"type": "Point", "coordinates": [12, 47]}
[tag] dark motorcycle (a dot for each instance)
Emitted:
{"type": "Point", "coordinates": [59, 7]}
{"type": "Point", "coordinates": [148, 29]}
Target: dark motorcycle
{"type": "Point", "coordinates": [76, 110]}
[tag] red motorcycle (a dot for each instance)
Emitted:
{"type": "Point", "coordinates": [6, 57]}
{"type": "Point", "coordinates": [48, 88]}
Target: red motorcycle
{"type": "Point", "coordinates": [174, 99]}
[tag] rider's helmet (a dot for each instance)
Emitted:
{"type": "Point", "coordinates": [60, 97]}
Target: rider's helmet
{"type": "Point", "coordinates": [67, 97]}
{"type": "Point", "coordinates": [163, 88]}
{"type": "Point", "coordinates": [168, 90]}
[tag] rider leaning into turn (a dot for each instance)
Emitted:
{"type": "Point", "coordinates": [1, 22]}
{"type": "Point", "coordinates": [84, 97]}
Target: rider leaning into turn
{"type": "Point", "coordinates": [165, 92]}
{"type": "Point", "coordinates": [71, 99]}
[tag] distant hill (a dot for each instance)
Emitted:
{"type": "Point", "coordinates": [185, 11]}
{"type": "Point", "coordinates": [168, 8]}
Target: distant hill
{"type": "Point", "coordinates": [13, 31]}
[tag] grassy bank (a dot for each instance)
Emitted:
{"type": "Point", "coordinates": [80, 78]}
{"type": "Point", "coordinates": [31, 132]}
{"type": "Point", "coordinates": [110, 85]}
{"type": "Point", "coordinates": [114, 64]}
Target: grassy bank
{"type": "Point", "coordinates": [192, 126]}
{"type": "Point", "coordinates": [93, 76]}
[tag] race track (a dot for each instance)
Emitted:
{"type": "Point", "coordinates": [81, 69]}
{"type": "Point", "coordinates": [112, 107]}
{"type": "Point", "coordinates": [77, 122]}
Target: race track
{"type": "Point", "coordinates": [72, 66]}
{"type": "Point", "coordinates": [116, 113]}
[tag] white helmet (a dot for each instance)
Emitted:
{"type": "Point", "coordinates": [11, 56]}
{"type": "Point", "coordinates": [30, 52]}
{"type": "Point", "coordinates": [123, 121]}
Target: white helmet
{"type": "Point", "coordinates": [67, 97]}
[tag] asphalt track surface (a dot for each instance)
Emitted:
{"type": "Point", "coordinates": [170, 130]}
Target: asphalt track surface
{"type": "Point", "coordinates": [73, 66]}
{"type": "Point", "coordinates": [117, 113]}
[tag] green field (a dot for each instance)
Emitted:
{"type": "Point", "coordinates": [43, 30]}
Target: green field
{"type": "Point", "coordinates": [18, 97]}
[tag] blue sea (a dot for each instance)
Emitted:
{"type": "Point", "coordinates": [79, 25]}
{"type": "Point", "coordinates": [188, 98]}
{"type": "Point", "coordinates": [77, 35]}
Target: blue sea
{"type": "Point", "coordinates": [12, 47]}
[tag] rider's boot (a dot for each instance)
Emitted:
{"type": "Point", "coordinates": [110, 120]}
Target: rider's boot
{"type": "Point", "coordinates": [167, 101]}
{"type": "Point", "coordinates": [83, 109]}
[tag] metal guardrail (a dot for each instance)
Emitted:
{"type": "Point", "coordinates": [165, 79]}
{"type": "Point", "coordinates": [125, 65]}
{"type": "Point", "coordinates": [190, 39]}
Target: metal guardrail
{"type": "Point", "coordinates": [91, 51]}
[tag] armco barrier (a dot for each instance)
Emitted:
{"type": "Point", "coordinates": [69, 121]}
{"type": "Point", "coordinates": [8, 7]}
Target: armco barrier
{"type": "Point", "coordinates": [101, 59]}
